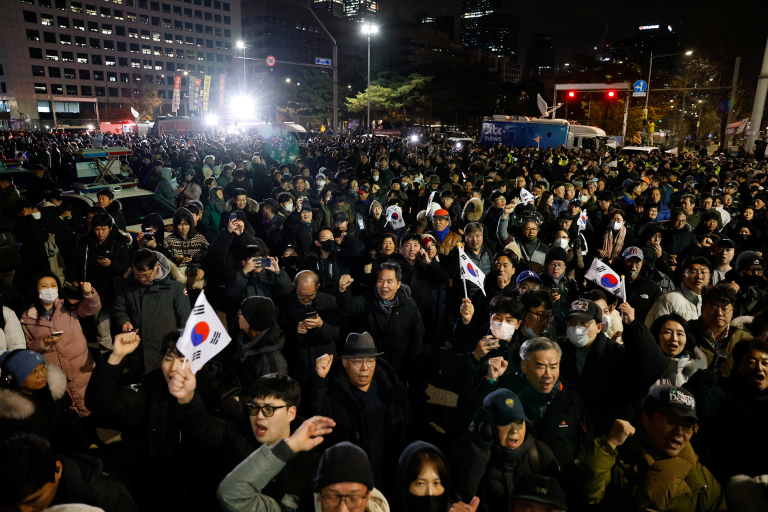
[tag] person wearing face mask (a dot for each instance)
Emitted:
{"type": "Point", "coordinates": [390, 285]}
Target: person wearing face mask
{"type": "Point", "coordinates": [320, 181]}
{"type": "Point", "coordinates": [642, 292]}
{"type": "Point", "coordinates": [498, 451]}
{"type": "Point", "coordinates": [607, 375]}
{"type": "Point", "coordinates": [617, 236]}
{"type": "Point", "coordinates": [555, 410]}
{"type": "Point", "coordinates": [423, 480]}
{"type": "Point", "coordinates": [329, 260]}
{"type": "Point", "coordinates": [52, 313]}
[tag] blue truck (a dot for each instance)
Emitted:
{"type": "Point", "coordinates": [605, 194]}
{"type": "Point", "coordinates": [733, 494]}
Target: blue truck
{"type": "Point", "coordinates": [520, 131]}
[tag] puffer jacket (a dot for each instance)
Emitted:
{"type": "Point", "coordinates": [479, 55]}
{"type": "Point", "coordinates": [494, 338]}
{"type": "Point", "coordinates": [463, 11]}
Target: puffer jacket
{"type": "Point", "coordinates": [46, 412]}
{"type": "Point", "coordinates": [251, 211]}
{"type": "Point", "coordinates": [71, 352]}
{"type": "Point", "coordinates": [629, 479]}
{"type": "Point", "coordinates": [674, 302]}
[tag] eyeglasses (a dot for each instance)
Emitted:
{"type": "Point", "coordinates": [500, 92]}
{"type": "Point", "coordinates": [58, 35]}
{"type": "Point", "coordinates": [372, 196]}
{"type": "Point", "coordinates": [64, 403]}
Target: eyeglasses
{"type": "Point", "coordinates": [353, 501]}
{"type": "Point", "coordinates": [557, 265]}
{"type": "Point", "coordinates": [474, 237]}
{"type": "Point", "coordinates": [268, 410]}
{"type": "Point", "coordinates": [717, 309]}
{"type": "Point", "coordinates": [357, 363]}
{"type": "Point", "coordinates": [753, 271]}
{"type": "Point", "coordinates": [685, 424]}
{"type": "Point", "coordinates": [544, 317]}
{"type": "Point", "coordinates": [702, 273]}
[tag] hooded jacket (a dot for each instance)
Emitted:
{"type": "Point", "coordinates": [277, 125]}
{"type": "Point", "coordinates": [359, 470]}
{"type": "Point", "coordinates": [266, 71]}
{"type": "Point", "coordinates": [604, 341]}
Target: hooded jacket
{"type": "Point", "coordinates": [115, 209]}
{"type": "Point", "coordinates": [102, 278]}
{"type": "Point", "coordinates": [257, 357]}
{"type": "Point", "coordinates": [70, 354]}
{"type": "Point", "coordinates": [215, 208]}
{"type": "Point", "coordinates": [46, 412]}
{"type": "Point", "coordinates": [401, 485]}
{"type": "Point", "coordinates": [251, 211]}
{"type": "Point", "coordinates": [83, 481]}
{"type": "Point", "coordinates": [164, 188]}
{"type": "Point", "coordinates": [195, 244]}
{"type": "Point", "coordinates": [156, 309]}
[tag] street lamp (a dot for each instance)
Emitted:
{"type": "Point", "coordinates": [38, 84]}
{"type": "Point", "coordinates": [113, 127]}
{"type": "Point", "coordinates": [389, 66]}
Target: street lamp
{"type": "Point", "coordinates": [241, 45]}
{"type": "Point", "coordinates": [287, 80]}
{"type": "Point", "coordinates": [650, 66]}
{"type": "Point", "coordinates": [369, 29]}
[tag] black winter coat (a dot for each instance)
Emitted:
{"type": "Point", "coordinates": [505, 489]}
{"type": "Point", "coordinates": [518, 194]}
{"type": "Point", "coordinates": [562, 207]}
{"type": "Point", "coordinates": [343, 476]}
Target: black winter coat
{"type": "Point", "coordinates": [398, 333]}
{"type": "Point", "coordinates": [83, 481]}
{"type": "Point", "coordinates": [613, 374]}
{"type": "Point", "coordinates": [115, 209]}
{"type": "Point", "coordinates": [114, 248]}
{"type": "Point", "coordinates": [489, 471]}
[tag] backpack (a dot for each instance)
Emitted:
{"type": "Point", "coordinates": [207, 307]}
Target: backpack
{"type": "Point", "coordinates": [9, 252]}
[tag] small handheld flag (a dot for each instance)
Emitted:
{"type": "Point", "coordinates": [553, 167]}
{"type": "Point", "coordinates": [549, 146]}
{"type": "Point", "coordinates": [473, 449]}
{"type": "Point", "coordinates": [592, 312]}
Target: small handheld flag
{"type": "Point", "coordinates": [395, 216]}
{"type": "Point", "coordinates": [469, 270]}
{"type": "Point", "coordinates": [204, 335]}
{"type": "Point", "coordinates": [582, 222]}
{"type": "Point", "coordinates": [526, 197]}
{"type": "Point", "coordinates": [602, 274]}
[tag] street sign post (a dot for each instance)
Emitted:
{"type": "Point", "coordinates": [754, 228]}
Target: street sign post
{"type": "Point", "coordinates": [641, 86]}
{"type": "Point", "coordinates": [638, 94]}
{"type": "Point", "coordinates": [271, 61]}
{"type": "Point", "coordinates": [322, 62]}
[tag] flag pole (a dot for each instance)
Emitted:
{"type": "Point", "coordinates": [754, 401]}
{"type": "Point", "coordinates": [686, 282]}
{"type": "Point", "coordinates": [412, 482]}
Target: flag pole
{"type": "Point", "coordinates": [623, 289]}
{"type": "Point", "coordinates": [466, 296]}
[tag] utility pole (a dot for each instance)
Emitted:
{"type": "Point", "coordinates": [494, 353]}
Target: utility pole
{"type": "Point", "coordinates": [335, 66]}
{"type": "Point", "coordinates": [759, 105]}
{"type": "Point", "coordinates": [731, 101]}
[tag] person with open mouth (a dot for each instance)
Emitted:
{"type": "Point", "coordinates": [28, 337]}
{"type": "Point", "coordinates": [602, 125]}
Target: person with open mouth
{"type": "Point", "coordinates": [651, 464]}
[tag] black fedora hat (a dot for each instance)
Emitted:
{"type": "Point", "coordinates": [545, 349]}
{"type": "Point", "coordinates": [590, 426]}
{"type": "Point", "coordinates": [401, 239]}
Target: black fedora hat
{"type": "Point", "coordinates": [360, 345]}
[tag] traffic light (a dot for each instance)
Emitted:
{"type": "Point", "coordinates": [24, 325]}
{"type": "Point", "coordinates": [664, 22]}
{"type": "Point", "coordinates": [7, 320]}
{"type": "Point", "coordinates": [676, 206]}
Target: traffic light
{"type": "Point", "coordinates": [571, 94]}
{"type": "Point", "coordinates": [611, 94]}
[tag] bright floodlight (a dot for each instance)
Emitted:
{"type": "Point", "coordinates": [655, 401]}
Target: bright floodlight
{"type": "Point", "coordinates": [688, 53]}
{"type": "Point", "coordinates": [243, 106]}
{"type": "Point", "coordinates": [370, 29]}
{"type": "Point", "coordinates": [287, 80]}
{"type": "Point", "coordinates": [414, 138]}
{"type": "Point", "coordinates": [212, 120]}
{"type": "Point", "coordinates": [90, 127]}
{"type": "Point", "coordinates": [240, 44]}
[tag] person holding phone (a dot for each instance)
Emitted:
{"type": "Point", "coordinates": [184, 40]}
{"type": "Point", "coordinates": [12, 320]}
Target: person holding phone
{"type": "Point", "coordinates": [260, 275]}
{"type": "Point", "coordinates": [52, 328]}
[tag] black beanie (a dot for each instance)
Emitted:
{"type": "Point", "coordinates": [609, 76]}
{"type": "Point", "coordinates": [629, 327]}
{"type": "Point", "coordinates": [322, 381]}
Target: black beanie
{"type": "Point", "coordinates": [259, 312]}
{"type": "Point", "coordinates": [556, 254]}
{"type": "Point", "coordinates": [344, 462]}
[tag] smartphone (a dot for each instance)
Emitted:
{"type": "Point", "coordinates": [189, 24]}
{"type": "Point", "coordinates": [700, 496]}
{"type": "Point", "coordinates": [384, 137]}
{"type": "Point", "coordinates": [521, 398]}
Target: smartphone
{"type": "Point", "coordinates": [57, 333]}
{"type": "Point", "coordinates": [311, 314]}
{"type": "Point", "coordinates": [262, 262]}
{"type": "Point", "coordinates": [232, 216]}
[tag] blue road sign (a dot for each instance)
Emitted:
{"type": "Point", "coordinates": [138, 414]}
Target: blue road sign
{"type": "Point", "coordinates": [322, 62]}
{"type": "Point", "coordinates": [641, 86]}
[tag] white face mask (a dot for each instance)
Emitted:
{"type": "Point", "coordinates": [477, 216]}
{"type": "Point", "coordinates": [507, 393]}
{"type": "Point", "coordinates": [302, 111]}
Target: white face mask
{"type": "Point", "coordinates": [48, 295]}
{"type": "Point", "coordinates": [376, 178]}
{"type": "Point", "coordinates": [617, 225]}
{"type": "Point", "coordinates": [561, 242]}
{"type": "Point", "coordinates": [174, 183]}
{"type": "Point", "coordinates": [36, 215]}
{"type": "Point", "coordinates": [606, 324]}
{"type": "Point", "coordinates": [288, 207]}
{"type": "Point", "coordinates": [502, 330]}
{"type": "Point", "coordinates": [578, 335]}
{"type": "Point", "coordinates": [320, 184]}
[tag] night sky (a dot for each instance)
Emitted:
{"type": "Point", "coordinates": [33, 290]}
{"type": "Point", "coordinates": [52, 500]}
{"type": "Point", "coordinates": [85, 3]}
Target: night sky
{"type": "Point", "coordinates": [736, 27]}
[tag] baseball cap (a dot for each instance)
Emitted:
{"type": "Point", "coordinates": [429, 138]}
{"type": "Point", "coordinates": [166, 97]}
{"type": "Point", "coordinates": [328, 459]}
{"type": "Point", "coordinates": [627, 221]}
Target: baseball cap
{"type": "Point", "coordinates": [586, 310]}
{"type": "Point", "coordinates": [441, 213]}
{"type": "Point", "coordinates": [340, 217]}
{"type": "Point", "coordinates": [726, 241]}
{"type": "Point", "coordinates": [527, 274]}
{"type": "Point", "coordinates": [577, 202]}
{"type": "Point", "coordinates": [633, 252]}
{"type": "Point", "coordinates": [505, 407]}
{"type": "Point", "coordinates": [748, 258]}
{"type": "Point", "coordinates": [541, 489]}
{"type": "Point", "coordinates": [672, 401]}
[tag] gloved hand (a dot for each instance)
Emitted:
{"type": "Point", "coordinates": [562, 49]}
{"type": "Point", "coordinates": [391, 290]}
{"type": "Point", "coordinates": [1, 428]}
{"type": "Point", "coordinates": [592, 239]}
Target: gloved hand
{"type": "Point", "coordinates": [718, 359]}
{"type": "Point", "coordinates": [483, 422]}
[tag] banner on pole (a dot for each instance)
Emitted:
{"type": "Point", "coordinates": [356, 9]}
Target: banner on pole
{"type": "Point", "coordinates": [206, 91]}
{"type": "Point", "coordinates": [222, 80]}
{"type": "Point", "coordinates": [198, 94]}
{"type": "Point", "coordinates": [176, 93]}
{"type": "Point", "coordinates": [204, 335]}
{"type": "Point", "coordinates": [191, 99]}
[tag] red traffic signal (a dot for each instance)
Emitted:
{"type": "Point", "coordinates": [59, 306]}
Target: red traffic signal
{"type": "Point", "coordinates": [611, 94]}
{"type": "Point", "coordinates": [571, 94]}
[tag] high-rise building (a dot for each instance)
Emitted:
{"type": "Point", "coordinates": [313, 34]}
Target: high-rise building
{"type": "Point", "coordinates": [359, 10]}
{"type": "Point", "coordinates": [541, 58]}
{"type": "Point", "coordinates": [69, 56]}
{"type": "Point", "coordinates": [490, 25]}
{"type": "Point", "coordinates": [661, 39]}
{"type": "Point", "coordinates": [410, 45]}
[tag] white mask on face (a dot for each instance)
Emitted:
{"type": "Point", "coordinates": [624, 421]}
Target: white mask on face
{"type": "Point", "coordinates": [320, 184]}
{"type": "Point", "coordinates": [36, 215]}
{"type": "Point", "coordinates": [376, 178]}
{"type": "Point", "coordinates": [502, 330]}
{"type": "Point", "coordinates": [606, 324]}
{"type": "Point", "coordinates": [48, 295]}
{"type": "Point", "coordinates": [578, 335]}
{"type": "Point", "coordinates": [617, 225]}
{"type": "Point", "coordinates": [289, 207]}
{"type": "Point", "coordinates": [561, 242]}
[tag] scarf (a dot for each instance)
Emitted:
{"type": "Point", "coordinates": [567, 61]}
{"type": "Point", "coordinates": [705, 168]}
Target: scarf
{"type": "Point", "coordinates": [384, 304]}
{"type": "Point", "coordinates": [442, 234]}
{"type": "Point", "coordinates": [536, 403]}
{"type": "Point", "coordinates": [613, 247]}
{"type": "Point", "coordinates": [219, 205]}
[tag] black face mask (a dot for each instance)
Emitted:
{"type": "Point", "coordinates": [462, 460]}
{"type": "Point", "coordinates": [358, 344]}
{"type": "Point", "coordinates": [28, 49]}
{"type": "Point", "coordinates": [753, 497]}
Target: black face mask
{"type": "Point", "coordinates": [425, 503]}
{"type": "Point", "coordinates": [328, 245]}
{"type": "Point", "coordinates": [290, 261]}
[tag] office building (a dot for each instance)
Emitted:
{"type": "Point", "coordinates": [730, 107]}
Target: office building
{"type": "Point", "coordinates": [489, 25]}
{"type": "Point", "coordinates": [541, 58]}
{"type": "Point", "coordinates": [408, 46]}
{"type": "Point", "coordinates": [507, 69]}
{"type": "Point", "coordinates": [71, 56]}
{"type": "Point", "coordinates": [661, 39]}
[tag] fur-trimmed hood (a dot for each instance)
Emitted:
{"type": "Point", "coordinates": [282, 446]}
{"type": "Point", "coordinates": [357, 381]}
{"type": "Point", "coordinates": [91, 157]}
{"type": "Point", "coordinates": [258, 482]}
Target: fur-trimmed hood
{"type": "Point", "coordinates": [477, 214]}
{"type": "Point", "coordinates": [15, 405]}
{"type": "Point", "coordinates": [251, 206]}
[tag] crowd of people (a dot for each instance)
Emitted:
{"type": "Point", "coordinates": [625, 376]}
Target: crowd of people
{"type": "Point", "coordinates": [366, 370]}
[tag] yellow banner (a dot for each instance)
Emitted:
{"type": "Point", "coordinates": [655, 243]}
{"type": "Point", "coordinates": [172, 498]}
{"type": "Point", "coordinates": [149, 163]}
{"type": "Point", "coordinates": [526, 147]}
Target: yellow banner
{"type": "Point", "coordinates": [206, 91]}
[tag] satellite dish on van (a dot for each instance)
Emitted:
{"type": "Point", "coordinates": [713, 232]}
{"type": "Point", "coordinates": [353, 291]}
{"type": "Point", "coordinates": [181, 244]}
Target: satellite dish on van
{"type": "Point", "coordinates": [544, 108]}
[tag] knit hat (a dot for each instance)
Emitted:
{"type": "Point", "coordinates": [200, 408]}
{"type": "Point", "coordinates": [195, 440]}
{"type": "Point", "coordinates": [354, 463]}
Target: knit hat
{"type": "Point", "coordinates": [21, 365]}
{"type": "Point", "coordinates": [259, 312]}
{"type": "Point", "coordinates": [374, 204]}
{"type": "Point", "coordinates": [748, 258]}
{"type": "Point", "coordinates": [344, 462]}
